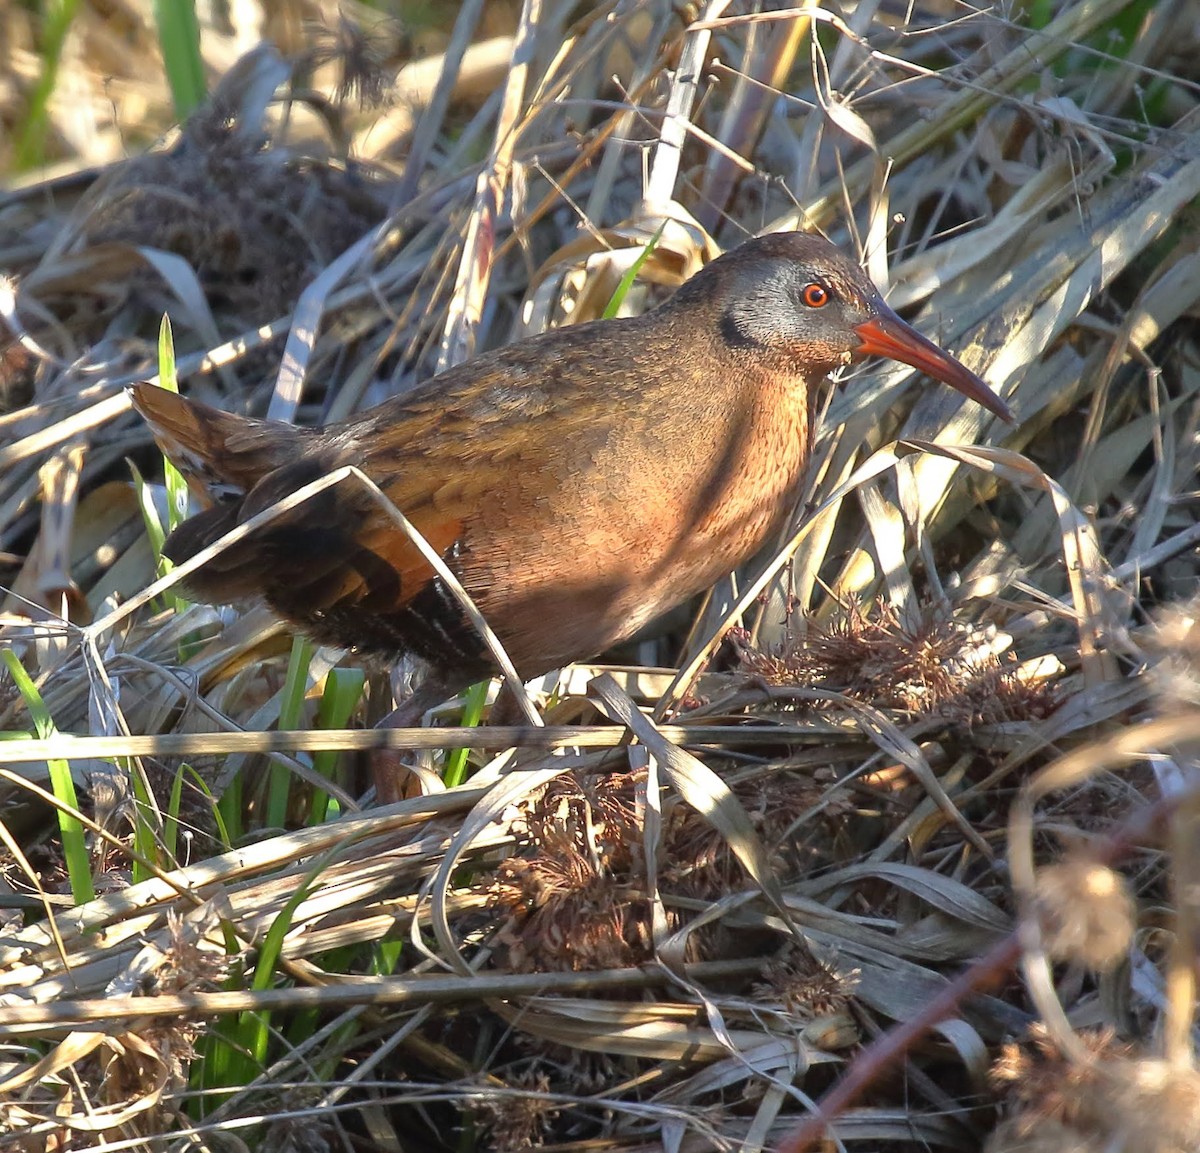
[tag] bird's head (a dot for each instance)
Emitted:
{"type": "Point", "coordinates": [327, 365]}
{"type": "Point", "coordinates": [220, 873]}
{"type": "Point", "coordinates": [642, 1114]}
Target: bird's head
{"type": "Point", "coordinates": [794, 297]}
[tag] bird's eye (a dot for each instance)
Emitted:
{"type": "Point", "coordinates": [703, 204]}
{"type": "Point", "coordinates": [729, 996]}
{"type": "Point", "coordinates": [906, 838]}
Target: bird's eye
{"type": "Point", "coordinates": [815, 295]}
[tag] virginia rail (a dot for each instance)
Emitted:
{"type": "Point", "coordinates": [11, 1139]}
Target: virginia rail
{"type": "Point", "coordinates": [579, 483]}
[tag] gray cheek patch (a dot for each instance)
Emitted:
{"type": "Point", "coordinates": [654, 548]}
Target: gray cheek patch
{"type": "Point", "coordinates": [737, 330]}
{"type": "Point", "coordinates": [763, 310]}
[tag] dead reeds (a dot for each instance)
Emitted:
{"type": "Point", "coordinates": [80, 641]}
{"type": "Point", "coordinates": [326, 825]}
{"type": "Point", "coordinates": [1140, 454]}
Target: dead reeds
{"type": "Point", "coordinates": [917, 837]}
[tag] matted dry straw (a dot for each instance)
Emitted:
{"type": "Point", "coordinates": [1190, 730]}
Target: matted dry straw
{"type": "Point", "coordinates": [903, 819]}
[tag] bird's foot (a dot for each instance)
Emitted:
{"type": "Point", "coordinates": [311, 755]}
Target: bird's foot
{"type": "Point", "coordinates": [394, 779]}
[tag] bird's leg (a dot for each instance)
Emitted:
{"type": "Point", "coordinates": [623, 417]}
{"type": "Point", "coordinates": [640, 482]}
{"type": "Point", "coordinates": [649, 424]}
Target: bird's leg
{"type": "Point", "coordinates": [393, 779]}
{"type": "Point", "coordinates": [506, 709]}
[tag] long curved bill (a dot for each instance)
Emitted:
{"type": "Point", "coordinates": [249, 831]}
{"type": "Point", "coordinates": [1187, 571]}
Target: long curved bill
{"type": "Point", "coordinates": [885, 334]}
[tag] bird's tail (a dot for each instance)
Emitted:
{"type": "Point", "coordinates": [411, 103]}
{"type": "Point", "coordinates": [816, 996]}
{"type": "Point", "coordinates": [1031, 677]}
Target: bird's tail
{"type": "Point", "coordinates": [222, 456]}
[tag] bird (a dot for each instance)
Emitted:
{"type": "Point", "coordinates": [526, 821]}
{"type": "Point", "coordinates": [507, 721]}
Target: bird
{"type": "Point", "coordinates": [579, 483]}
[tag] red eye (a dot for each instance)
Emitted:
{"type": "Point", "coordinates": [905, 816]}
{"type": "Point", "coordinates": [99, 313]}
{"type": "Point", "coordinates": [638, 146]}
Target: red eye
{"type": "Point", "coordinates": [815, 295]}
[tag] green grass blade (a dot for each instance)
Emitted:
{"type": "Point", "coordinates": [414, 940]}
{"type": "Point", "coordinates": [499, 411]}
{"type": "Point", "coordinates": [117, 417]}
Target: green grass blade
{"type": "Point", "coordinates": [456, 763]}
{"type": "Point", "coordinates": [229, 810]}
{"type": "Point", "coordinates": [385, 957]}
{"type": "Point", "coordinates": [343, 690]}
{"type": "Point", "coordinates": [179, 36]}
{"type": "Point", "coordinates": [31, 136]}
{"type": "Point", "coordinates": [170, 836]}
{"type": "Point", "coordinates": [146, 844]}
{"type": "Point", "coordinates": [626, 283]}
{"type": "Point", "coordinates": [254, 1027]}
{"type": "Point", "coordinates": [150, 517]}
{"type": "Point", "coordinates": [201, 786]}
{"type": "Point", "coordinates": [74, 845]}
{"type": "Point", "coordinates": [291, 712]}
{"type": "Point", "coordinates": [177, 488]}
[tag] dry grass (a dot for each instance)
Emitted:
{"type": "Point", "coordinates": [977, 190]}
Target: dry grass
{"type": "Point", "coordinates": [963, 694]}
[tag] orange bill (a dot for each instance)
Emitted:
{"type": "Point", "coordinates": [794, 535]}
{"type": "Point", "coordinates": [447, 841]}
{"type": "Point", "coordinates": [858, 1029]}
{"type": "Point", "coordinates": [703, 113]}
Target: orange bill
{"type": "Point", "coordinates": [885, 334]}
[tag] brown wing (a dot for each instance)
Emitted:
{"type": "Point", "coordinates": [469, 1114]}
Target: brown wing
{"type": "Point", "coordinates": [338, 565]}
